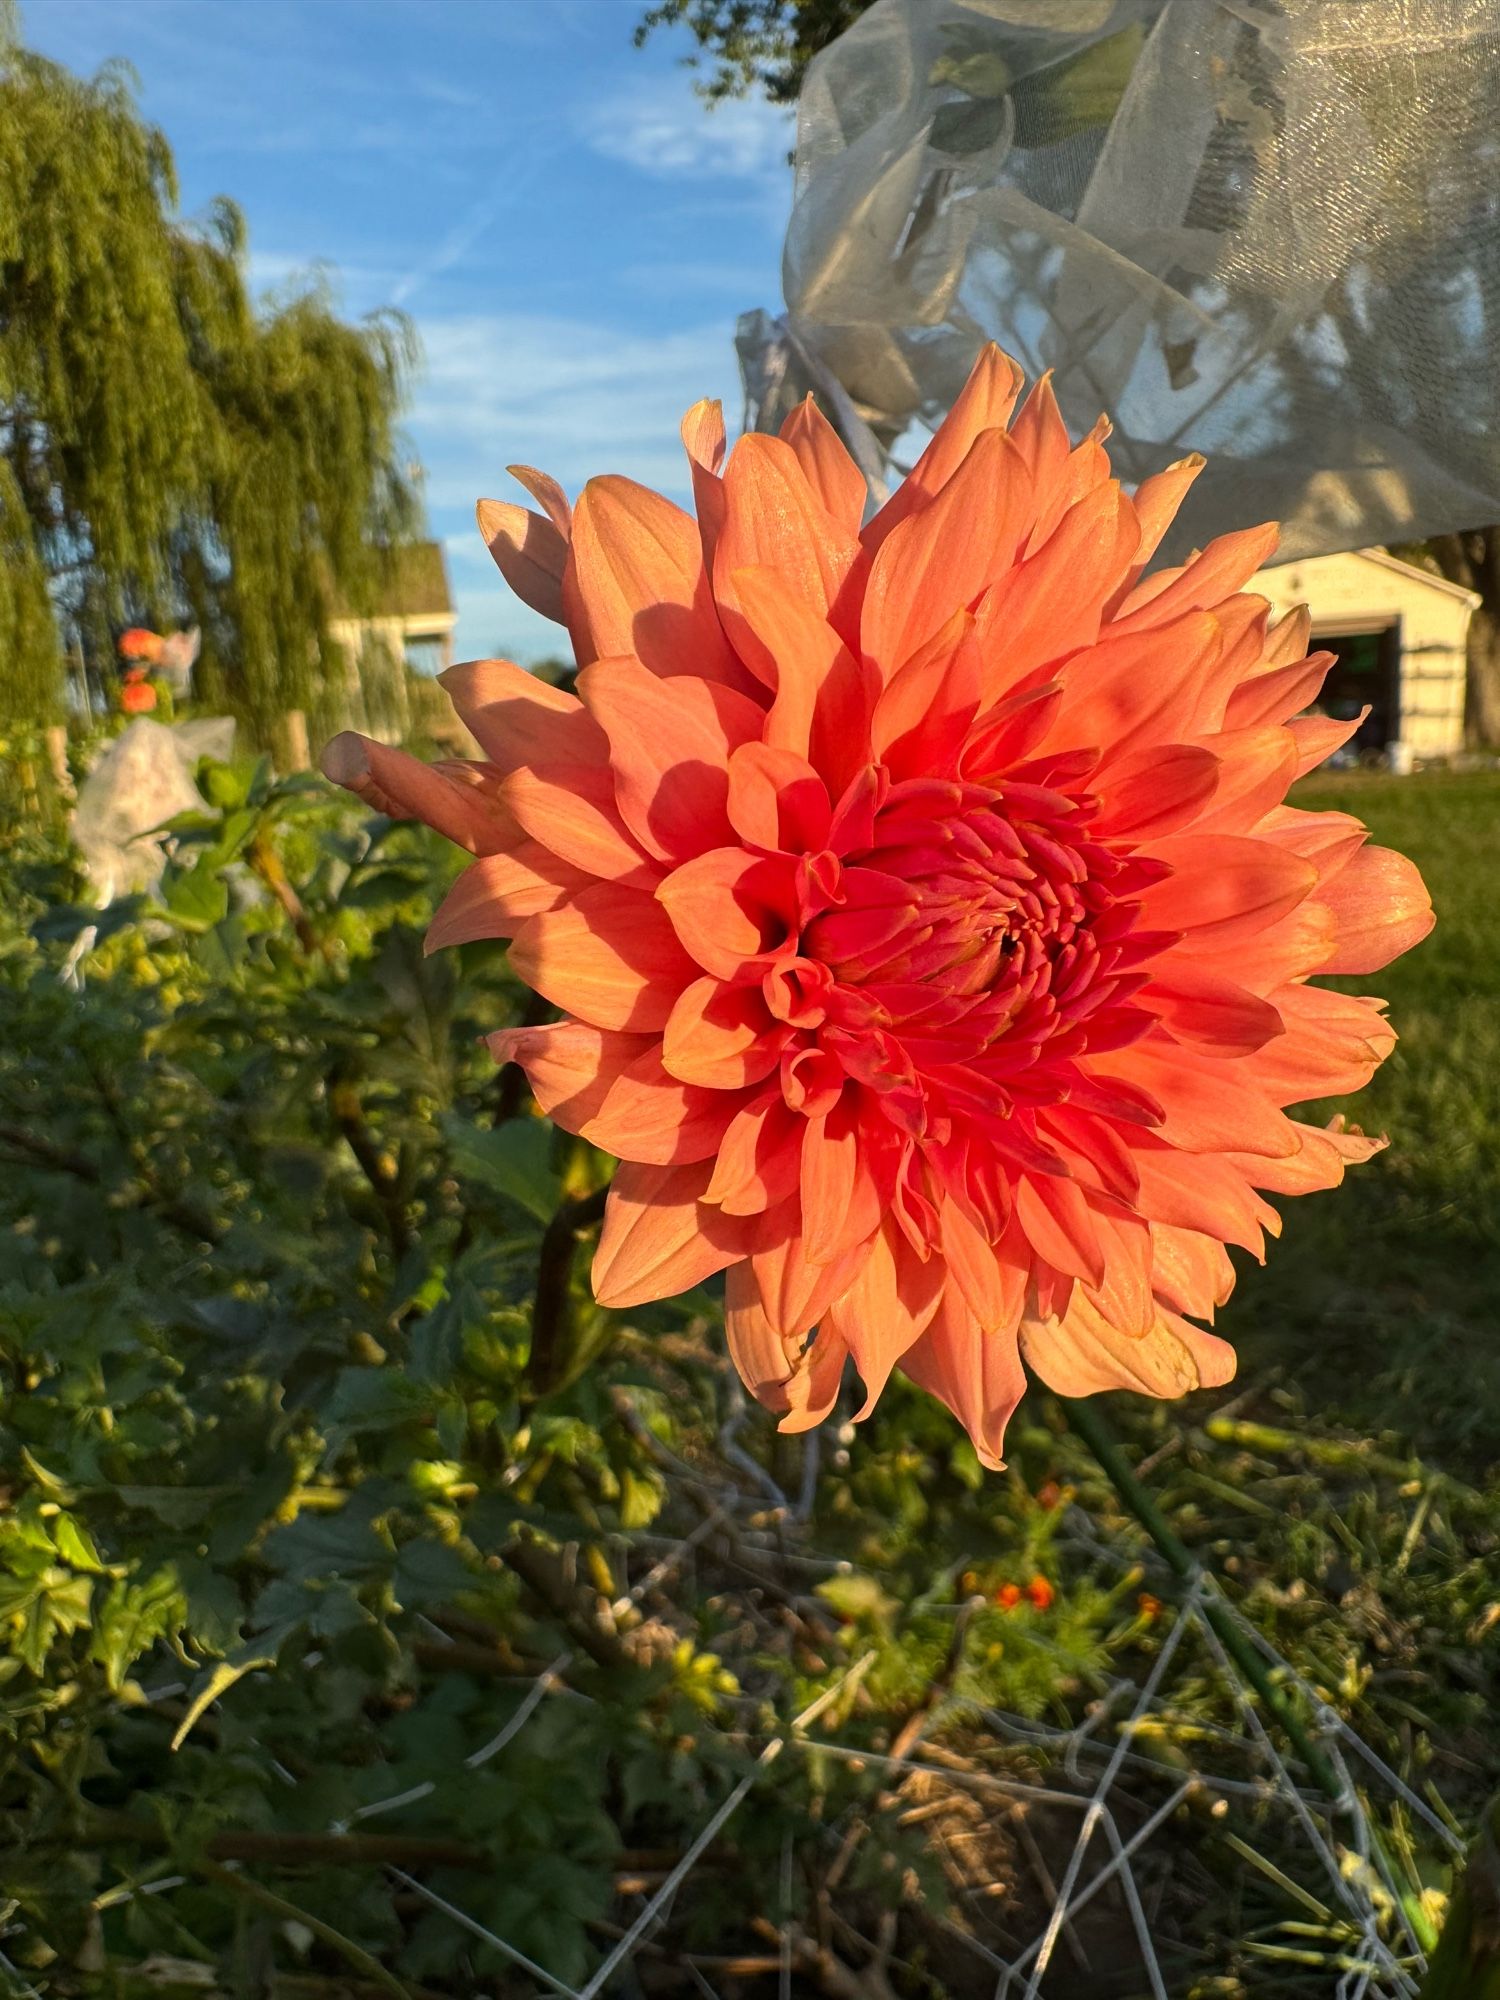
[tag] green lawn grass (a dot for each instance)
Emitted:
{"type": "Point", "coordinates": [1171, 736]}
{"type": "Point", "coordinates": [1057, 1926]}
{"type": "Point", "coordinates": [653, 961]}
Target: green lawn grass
{"type": "Point", "coordinates": [1382, 1300]}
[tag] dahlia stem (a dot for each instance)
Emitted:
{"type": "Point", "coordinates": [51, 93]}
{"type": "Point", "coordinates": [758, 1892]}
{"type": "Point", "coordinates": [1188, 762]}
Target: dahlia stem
{"type": "Point", "coordinates": [552, 1343]}
{"type": "Point", "coordinates": [1089, 1423]}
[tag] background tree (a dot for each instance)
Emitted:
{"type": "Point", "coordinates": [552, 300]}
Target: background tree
{"type": "Point", "coordinates": [169, 449]}
{"type": "Point", "coordinates": [754, 44]}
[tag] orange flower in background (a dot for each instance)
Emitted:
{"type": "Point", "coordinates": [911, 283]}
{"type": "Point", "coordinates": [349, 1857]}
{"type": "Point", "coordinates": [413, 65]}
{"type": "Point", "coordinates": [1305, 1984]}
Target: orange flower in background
{"type": "Point", "coordinates": [932, 938]}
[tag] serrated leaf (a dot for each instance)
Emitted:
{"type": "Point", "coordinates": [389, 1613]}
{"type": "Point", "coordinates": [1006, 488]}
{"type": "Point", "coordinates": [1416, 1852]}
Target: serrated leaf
{"type": "Point", "coordinates": [222, 1675]}
{"type": "Point", "coordinates": [513, 1159]}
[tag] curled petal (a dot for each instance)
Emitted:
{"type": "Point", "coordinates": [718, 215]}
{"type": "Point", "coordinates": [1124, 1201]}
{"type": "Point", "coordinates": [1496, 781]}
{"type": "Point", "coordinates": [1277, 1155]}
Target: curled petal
{"type": "Point", "coordinates": [403, 787]}
{"type": "Point", "coordinates": [1380, 908]}
{"type": "Point", "coordinates": [1082, 1353]}
{"type": "Point", "coordinates": [569, 1066]}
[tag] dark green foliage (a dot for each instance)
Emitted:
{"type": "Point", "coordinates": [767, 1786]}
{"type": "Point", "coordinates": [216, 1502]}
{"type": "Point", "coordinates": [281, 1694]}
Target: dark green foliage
{"type": "Point", "coordinates": [754, 44]}
{"type": "Point", "coordinates": [168, 450]}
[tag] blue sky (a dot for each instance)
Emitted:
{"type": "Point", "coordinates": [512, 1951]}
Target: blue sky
{"type": "Point", "coordinates": [571, 229]}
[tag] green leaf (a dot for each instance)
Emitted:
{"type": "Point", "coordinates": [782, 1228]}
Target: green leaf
{"type": "Point", "coordinates": [75, 1545]}
{"type": "Point", "coordinates": [247, 1659]}
{"type": "Point", "coordinates": [513, 1159]}
{"type": "Point", "coordinates": [197, 897]}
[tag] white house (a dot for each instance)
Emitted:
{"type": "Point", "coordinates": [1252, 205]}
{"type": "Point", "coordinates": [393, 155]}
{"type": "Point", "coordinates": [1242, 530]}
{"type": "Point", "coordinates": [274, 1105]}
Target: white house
{"type": "Point", "coordinates": [1400, 635]}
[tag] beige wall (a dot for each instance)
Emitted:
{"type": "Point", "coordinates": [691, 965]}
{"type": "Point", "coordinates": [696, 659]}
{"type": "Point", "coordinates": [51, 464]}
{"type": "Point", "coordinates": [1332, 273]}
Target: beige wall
{"type": "Point", "coordinates": [1366, 592]}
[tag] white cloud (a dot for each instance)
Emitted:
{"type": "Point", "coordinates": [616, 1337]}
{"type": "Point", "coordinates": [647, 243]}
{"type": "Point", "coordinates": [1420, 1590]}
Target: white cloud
{"type": "Point", "coordinates": [661, 127]}
{"type": "Point", "coordinates": [500, 389]}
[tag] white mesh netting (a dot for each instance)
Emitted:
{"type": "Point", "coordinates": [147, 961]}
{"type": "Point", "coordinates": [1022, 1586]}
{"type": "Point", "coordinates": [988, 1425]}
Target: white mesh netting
{"type": "Point", "coordinates": [1262, 231]}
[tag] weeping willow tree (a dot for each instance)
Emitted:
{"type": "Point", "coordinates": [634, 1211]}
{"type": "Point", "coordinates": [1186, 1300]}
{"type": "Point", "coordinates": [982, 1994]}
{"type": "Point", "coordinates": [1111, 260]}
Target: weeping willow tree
{"type": "Point", "coordinates": [168, 449]}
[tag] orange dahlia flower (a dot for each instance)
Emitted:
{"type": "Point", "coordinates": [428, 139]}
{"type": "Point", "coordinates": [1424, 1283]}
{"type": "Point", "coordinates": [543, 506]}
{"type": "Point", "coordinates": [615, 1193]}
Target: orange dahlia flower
{"type": "Point", "coordinates": [932, 941]}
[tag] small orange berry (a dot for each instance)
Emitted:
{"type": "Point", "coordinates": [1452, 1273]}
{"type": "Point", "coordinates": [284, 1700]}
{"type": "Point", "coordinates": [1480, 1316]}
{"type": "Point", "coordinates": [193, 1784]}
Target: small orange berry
{"type": "Point", "coordinates": [1041, 1593]}
{"type": "Point", "coordinates": [1008, 1596]}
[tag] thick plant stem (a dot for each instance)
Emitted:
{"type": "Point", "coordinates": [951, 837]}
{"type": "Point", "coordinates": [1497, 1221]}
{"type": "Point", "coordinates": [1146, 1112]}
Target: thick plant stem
{"type": "Point", "coordinates": [552, 1341]}
{"type": "Point", "coordinates": [1088, 1422]}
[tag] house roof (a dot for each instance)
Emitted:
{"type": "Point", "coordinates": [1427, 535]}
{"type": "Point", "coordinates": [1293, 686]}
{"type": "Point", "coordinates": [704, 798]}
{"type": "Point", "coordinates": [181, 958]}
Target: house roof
{"type": "Point", "coordinates": [414, 585]}
{"type": "Point", "coordinates": [1387, 561]}
{"type": "Point", "coordinates": [418, 583]}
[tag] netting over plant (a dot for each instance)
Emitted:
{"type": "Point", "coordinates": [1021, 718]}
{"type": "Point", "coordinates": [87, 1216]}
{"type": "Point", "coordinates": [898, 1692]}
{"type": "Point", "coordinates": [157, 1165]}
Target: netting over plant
{"type": "Point", "coordinates": [1264, 232]}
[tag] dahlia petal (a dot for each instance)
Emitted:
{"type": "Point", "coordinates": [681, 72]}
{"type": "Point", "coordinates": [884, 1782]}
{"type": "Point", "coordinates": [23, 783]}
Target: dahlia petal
{"type": "Point", "coordinates": [885, 1308]}
{"type": "Point", "coordinates": [1207, 1010]}
{"type": "Point", "coordinates": [1380, 908]}
{"type": "Point", "coordinates": [983, 404]}
{"type": "Point", "coordinates": [517, 719]}
{"type": "Point", "coordinates": [1318, 736]}
{"type": "Point", "coordinates": [1294, 947]}
{"type": "Point", "coordinates": [703, 441]}
{"type": "Point", "coordinates": [1059, 1225]}
{"type": "Point", "coordinates": [1041, 436]}
{"type": "Point", "coordinates": [757, 1164]}
{"type": "Point", "coordinates": [1124, 1297]}
{"type": "Point", "coordinates": [840, 1203]}
{"type": "Point", "coordinates": [529, 553]}
{"type": "Point", "coordinates": [774, 518]}
{"type": "Point", "coordinates": [1093, 1149]}
{"type": "Point", "coordinates": [652, 1117]}
{"type": "Point", "coordinates": [499, 891]}
{"type": "Point", "coordinates": [777, 800]}
{"type": "Point", "coordinates": [1330, 840]}
{"type": "Point", "coordinates": [978, 1375]}
{"type": "Point", "coordinates": [1008, 733]}
{"type": "Point", "coordinates": [1333, 1043]}
{"type": "Point", "coordinates": [659, 1238]}
{"type": "Point", "coordinates": [609, 956]}
{"type": "Point", "coordinates": [1318, 1164]}
{"type": "Point", "coordinates": [728, 907]}
{"type": "Point", "coordinates": [1279, 692]}
{"type": "Point", "coordinates": [1052, 604]}
{"type": "Point", "coordinates": [825, 696]}
{"type": "Point", "coordinates": [925, 709]}
{"type": "Point", "coordinates": [1199, 1192]}
{"type": "Point", "coordinates": [831, 472]}
{"type": "Point", "coordinates": [993, 1290]}
{"type": "Point", "coordinates": [569, 1066]}
{"type": "Point", "coordinates": [403, 787]}
{"type": "Point", "coordinates": [798, 1377]}
{"type": "Point", "coordinates": [1158, 498]}
{"type": "Point", "coordinates": [721, 1036]}
{"type": "Point", "coordinates": [1156, 791]}
{"type": "Point", "coordinates": [571, 809]}
{"type": "Point", "coordinates": [1286, 641]}
{"type": "Point", "coordinates": [795, 1291]}
{"type": "Point", "coordinates": [1192, 1273]}
{"type": "Point", "coordinates": [1255, 768]}
{"type": "Point", "coordinates": [1081, 1354]}
{"type": "Point", "coordinates": [1135, 689]}
{"type": "Point", "coordinates": [1225, 566]}
{"type": "Point", "coordinates": [669, 744]}
{"type": "Point", "coordinates": [1209, 1106]}
{"type": "Point", "coordinates": [1223, 887]}
{"type": "Point", "coordinates": [941, 559]}
{"type": "Point", "coordinates": [637, 562]}
{"type": "Point", "coordinates": [545, 490]}
{"type": "Point", "coordinates": [1083, 471]}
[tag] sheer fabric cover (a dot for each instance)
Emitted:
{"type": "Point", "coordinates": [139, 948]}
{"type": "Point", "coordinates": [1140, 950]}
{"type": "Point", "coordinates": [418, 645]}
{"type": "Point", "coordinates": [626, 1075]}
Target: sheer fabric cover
{"type": "Point", "coordinates": [1266, 233]}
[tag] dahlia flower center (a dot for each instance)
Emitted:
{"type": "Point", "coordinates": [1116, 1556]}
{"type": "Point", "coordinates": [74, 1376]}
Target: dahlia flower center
{"type": "Point", "coordinates": [971, 909]}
